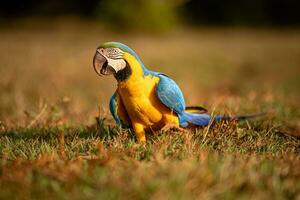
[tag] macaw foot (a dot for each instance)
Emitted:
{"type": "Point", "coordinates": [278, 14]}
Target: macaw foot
{"type": "Point", "coordinates": [171, 126]}
{"type": "Point", "coordinates": [141, 139]}
{"type": "Point", "coordinates": [139, 132]}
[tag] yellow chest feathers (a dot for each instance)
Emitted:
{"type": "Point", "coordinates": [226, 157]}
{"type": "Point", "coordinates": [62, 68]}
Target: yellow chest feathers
{"type": "Point", "coordinates": [138, 94]}
{"type": "Point", "coordinates": [140, 99]}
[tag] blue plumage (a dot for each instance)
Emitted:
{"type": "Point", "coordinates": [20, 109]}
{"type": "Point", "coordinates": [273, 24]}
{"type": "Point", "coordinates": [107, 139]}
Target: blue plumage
{"type": "Point", "coordinates": [113, 109]}
{"type": "Point", "coordinates": [170, 94]}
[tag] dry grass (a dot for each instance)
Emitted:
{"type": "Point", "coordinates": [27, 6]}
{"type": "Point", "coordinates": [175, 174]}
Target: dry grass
{"type": "Point", "coordinates": [52, 146]}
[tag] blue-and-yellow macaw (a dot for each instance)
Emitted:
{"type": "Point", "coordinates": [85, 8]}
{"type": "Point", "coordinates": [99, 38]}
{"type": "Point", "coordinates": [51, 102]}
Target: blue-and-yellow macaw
{"type": "Point", "coordinates": [145, 100]}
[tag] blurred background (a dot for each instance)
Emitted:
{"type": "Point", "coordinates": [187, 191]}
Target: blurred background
{"type": "Point", "coordinates": [232, 56]}
{"type": "Point", "coordinates": [161, 14]}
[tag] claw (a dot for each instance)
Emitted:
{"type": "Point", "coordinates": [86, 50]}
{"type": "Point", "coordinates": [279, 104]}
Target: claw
{"type": "Point", "coordinates": [170, 126]}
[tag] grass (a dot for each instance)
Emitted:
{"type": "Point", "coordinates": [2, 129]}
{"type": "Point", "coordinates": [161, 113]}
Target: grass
{"type": "Point", "coordinates": [58, 141]}
{"type": "Point", "coordinates": [104, 162]}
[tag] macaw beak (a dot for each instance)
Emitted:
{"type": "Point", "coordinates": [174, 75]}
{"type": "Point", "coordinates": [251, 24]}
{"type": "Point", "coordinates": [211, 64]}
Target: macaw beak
{"type": "Point", "coordinates": [101, 64]}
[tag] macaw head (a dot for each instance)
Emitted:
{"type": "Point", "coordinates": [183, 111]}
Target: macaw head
{"type": "Point", "coordinates": [114, 58]}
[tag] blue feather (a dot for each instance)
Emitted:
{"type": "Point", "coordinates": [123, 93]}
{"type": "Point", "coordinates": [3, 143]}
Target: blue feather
{"type": "Point", "coordinates": [113, 107]}
{"type": "Point", "coordinates": [113, 110]}
{"type": "Point", "coordinates": [205, 119]}
{"type": "Point", "coordinates": [170, 94]}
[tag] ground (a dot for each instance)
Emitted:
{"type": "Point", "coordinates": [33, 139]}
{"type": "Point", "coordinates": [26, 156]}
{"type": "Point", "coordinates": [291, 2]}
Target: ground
{"type": "Point", "coordinates": [58, 140]}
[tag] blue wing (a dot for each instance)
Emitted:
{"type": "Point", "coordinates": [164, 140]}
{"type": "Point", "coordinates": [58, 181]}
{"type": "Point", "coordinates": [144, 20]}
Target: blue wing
{"type": "Point", "coordinates": [170, 94]}
{"type": "Point", "coordinates": [115, 107]}
{"type": "Point", "coordinates": [113, 110]}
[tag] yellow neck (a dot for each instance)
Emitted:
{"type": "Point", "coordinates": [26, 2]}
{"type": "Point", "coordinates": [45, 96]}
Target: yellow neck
{"type": "Point", "coordinates": [134, 85]}
{"type": "Point", "coordinates": [136, 68]}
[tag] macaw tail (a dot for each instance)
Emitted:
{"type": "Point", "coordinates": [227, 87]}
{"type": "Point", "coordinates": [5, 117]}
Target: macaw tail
{"type": "Point", "coordinates": [205, 119]}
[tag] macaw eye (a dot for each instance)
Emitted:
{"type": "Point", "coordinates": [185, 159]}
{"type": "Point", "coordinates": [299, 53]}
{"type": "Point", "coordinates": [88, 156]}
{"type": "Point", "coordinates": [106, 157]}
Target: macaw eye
{"type": "Point", "coordinates": [112, 51]}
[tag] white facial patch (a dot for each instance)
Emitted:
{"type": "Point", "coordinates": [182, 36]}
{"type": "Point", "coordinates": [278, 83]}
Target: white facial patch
{"type": "Point", "coordinates": [117, 64]}
{"type": "Point", "coordinates": [114, 58]}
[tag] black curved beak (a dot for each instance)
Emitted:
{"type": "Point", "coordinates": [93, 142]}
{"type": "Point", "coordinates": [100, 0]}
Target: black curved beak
{"type": "Point", "coordinates": [100, 64]}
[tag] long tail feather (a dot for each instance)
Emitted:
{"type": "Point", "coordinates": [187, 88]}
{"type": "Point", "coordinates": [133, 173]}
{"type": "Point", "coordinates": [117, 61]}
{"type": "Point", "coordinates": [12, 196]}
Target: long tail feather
{"type": "Point", "coordinates": [204, 119]}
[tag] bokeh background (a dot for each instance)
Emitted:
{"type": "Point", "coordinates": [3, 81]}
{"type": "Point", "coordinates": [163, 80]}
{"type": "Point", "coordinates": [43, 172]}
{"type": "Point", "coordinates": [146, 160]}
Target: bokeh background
{"type": "Point", "coordinates": [229, 56]}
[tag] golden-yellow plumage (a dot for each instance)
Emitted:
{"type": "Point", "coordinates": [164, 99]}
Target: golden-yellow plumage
{"type": "Point", "coordinates": [138, 102]}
